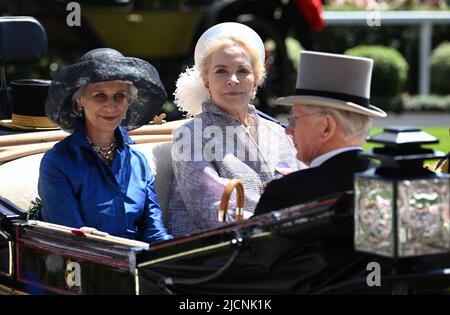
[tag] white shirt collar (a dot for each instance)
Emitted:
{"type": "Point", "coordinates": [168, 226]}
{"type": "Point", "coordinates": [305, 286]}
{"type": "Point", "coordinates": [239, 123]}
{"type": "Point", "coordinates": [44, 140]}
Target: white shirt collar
{"type": "Point", "coordinates": [322, 158]}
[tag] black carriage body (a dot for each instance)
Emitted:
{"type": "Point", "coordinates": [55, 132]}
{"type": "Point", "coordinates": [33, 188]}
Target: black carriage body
{"type": "Point", "coordinates": [40, 260]}
{"type": "Point", "coordinates": [307, 249]}
{"type": "Point", "coordinates": [6, 254]}
{"type": "Point", "coordinates": [9, 216]}
{"type": "Point", "coordinates": [297, 250]}
{"type": "Point", "coordinates": [70, 264]}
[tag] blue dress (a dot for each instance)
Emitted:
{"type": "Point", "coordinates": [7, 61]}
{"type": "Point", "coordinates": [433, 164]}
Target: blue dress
{"type": "Point", "coordinates": [78, 189]}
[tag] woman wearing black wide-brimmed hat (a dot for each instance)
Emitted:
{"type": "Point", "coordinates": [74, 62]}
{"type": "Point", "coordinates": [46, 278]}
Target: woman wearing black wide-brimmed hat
{"type": "Point", "coordinates": [93, 177]}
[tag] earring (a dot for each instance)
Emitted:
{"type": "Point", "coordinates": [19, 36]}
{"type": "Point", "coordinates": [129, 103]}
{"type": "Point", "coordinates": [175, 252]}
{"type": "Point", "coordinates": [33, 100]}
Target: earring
{"type": "Point", "coordinates": [254, 94]}
{"type": "Point", "coordinates": [80, 111]}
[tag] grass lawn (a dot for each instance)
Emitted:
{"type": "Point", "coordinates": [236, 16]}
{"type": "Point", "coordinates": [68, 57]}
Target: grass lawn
{"type": "Point", "coordinates": [439, 132]}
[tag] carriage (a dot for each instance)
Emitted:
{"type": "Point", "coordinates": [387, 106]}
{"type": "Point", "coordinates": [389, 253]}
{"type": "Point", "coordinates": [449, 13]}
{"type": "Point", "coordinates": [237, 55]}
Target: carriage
{"type": "Point", "coordinates": [304, 249]}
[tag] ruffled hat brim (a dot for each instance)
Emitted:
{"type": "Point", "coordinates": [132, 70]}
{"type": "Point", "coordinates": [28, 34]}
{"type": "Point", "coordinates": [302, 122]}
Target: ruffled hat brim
{"type": "Point", "coordinates": [151, 93]}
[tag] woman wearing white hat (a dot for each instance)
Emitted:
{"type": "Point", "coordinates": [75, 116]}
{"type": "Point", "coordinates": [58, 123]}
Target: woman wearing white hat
{"type": "Point", "coordinates": [94, 178]}
{"type": "Point", "coordinates": [226, 139]}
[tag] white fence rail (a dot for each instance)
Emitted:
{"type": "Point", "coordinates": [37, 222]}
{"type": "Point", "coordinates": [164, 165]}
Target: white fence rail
{"type": "Point", "coordinates": [426, 20]}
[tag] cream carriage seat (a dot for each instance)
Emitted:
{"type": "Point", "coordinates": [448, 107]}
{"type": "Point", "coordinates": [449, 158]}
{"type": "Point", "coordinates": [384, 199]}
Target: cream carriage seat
{"type": "Point", "coordinates": [159, 157]}
{"type": "Point", "coordinates": [19, 178]}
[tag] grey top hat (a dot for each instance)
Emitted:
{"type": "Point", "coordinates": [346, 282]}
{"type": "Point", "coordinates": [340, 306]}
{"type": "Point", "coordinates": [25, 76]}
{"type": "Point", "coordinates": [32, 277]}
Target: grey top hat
{"type": "Point", "coordinates": [105, 64]}
{"type": "Point", "coordinates": [336, 81]}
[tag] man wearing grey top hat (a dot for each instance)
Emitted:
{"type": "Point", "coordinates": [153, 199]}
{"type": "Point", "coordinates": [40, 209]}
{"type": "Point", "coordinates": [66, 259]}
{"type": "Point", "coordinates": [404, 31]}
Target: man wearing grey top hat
{"type": "Point", "coordinates": [331, 117]}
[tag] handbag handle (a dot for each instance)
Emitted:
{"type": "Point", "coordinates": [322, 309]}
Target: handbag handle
{"type": "Point", "coordinates": [223, 207]}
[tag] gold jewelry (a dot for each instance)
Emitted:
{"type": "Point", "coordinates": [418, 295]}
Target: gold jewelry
{"type": "Point", "coordinates": [105, 153]}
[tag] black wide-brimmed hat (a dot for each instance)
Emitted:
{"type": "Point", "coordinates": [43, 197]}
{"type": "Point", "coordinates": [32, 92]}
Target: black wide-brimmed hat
{"type": "Point", "coordinates": [105, 64]}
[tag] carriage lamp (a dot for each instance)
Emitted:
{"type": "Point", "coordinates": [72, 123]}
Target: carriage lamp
{"type": "Point", "coordinates": [401, 207]}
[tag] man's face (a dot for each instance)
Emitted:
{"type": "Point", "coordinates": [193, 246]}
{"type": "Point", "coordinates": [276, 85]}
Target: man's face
{"type": "Point", "coordinates": [305, 128]}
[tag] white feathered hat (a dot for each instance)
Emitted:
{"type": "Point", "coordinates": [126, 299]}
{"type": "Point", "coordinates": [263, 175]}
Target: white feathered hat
{"type": "Point", "coordinates": [190, 91]}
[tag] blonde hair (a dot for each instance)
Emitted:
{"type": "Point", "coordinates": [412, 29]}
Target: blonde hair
{"type": "Point", "coordinates": [190, 90]}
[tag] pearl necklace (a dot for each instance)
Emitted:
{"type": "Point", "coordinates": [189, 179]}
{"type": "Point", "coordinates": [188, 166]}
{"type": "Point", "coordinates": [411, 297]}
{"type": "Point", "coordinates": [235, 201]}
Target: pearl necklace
{"type": "Point", "coordinates": [105, 153]}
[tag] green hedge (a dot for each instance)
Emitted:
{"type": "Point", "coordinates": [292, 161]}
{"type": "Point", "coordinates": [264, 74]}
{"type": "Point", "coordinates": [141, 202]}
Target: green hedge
{"type": "Point", "coordinates": [440, 69]}
{"type": "Point", "coordinates": [428, 103]}
{"type": "Point", "coordinates": [390, 71]}
{"type": "Point", "coordinates": [404, 38]}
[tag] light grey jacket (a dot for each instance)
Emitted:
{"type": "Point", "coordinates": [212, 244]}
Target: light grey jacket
{"type": "Point", "coordinates": [214, 148]}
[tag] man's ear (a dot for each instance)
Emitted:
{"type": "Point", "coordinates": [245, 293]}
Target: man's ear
{"type": "Point", "coordinates": [329, 127]}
